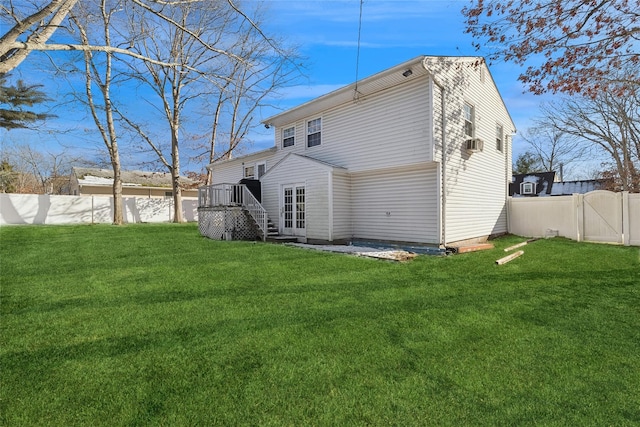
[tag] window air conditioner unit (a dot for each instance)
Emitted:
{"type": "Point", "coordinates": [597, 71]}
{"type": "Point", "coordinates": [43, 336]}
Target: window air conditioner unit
{"type": "Point", "coordinates": [473, 145]}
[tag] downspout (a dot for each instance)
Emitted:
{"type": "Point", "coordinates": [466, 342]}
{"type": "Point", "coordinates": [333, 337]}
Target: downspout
{"type": "Point", "coordinates": [508, 151]}
{"type": "Point", "coordinates": [444, 153]}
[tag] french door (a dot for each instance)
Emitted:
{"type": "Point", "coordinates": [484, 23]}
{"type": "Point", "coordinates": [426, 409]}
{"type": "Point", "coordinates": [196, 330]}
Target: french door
{"type": "Point", "coordinates": [293, 210]}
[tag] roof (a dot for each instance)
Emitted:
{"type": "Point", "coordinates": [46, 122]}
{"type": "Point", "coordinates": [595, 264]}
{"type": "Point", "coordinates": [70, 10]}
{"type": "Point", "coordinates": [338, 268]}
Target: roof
{"type": "Point", "coordinates": [567, 188]}
{"type": "Point", "coordinates": [104, 177]}
{"type": "Point", "coordinates": [543, 180]}
{"type": "Point", "coordinates": [546, 186]}
{"type": "Point", "coordinates": [325, 165]}
{"type": "Point", "coordinates": [418, 66]}
{"type": "Point", "coordinates": [382, 80]}
{"type": "Point", "coordinates": [246, 156]}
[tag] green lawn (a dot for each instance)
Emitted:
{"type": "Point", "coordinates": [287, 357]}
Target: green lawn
{"type": "Point", "coordinates": [155, 325]}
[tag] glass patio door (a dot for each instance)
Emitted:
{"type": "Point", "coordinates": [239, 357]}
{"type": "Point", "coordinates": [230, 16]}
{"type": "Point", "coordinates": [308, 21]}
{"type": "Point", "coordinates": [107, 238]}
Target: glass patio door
{"type": "Point", "coordinates": [293, 210]}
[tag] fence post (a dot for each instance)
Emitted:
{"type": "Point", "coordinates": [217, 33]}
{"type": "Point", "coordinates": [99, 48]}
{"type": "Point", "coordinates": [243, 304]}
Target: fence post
{"type": "Point", "coordinates": [578, 206]}
{"type": "Point", "coordinates": [626, 223]}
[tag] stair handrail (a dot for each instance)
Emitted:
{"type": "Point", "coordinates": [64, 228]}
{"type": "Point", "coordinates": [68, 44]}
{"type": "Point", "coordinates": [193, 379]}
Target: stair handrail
{"type": "Point", "coordinates": [219, 195]}
{"type": "Point", "coordinates": [256, 210]}
{"type": "Point", "coordinates": [234, 195]}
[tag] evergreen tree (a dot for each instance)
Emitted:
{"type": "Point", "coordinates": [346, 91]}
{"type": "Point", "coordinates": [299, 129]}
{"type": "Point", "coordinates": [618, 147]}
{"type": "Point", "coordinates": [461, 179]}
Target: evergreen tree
{"type": "Point", "coordinates": [13, 99]}
{"type": "Point", "coordinates": [527, 162]}
{"type": "Point", "coordinates": [7, 177]}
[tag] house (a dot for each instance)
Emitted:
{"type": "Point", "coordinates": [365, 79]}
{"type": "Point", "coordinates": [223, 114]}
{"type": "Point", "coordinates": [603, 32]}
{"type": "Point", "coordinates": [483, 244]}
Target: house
{"type": "Point", "coordinates": [99, 182]}
{"type": "Point", "coordinates": [535, 184]}
{"type": "Point", "coordinates": [543, 184]}
{"type": "Point", "coordinates": [418, 153]}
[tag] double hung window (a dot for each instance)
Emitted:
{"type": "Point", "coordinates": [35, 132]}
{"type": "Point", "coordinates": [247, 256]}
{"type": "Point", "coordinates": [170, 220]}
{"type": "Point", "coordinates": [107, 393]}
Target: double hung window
{"type": "Point", "coordinates": [314, 132]}
{"type": "Point", "coordinates": [469, 120]}
{"type": "Point", "coordinates": [288, 137]}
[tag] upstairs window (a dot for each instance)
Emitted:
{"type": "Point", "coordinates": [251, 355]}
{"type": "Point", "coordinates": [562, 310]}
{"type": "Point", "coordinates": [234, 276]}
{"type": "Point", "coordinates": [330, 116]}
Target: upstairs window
{"type": "Point", "coordinates": [499, 138]}
{"type": "Point", "coordinates": [249, 171]}
{"type": "Point", "coordinates": [469, 120]}
{"type": "Point", "coordinates": [314, 132]}
{"type": "Point", "coordinates": [289, 137]}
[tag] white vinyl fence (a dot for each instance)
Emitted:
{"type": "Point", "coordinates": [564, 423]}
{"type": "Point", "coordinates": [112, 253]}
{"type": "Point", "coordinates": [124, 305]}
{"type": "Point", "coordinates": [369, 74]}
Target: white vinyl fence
{"type": "Point", "coordinates": [47, 209]}
{"type": "Point", "coordinates": [598, 216]}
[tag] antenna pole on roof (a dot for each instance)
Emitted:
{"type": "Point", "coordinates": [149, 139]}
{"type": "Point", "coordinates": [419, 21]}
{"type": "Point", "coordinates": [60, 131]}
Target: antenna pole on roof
{"type": "Point", "coordinates": [356, 94]}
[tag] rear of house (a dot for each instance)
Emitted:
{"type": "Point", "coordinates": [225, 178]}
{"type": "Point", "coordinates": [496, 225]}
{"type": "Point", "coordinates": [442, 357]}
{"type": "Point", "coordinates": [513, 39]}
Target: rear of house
{"type": "Point", "coordinates": [419, 153]}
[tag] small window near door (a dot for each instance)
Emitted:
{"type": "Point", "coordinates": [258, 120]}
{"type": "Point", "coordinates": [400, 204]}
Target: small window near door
{"type": "Point", "coordinates": [262, 169]}
{"type": "Point", "coordinates": [249, 171]}
{"type": "Point", "coordinates": [288, 137]}
{"type": "Point", "coordinates": [314, 132]}
{"type": "Point", "coordinates": [168, 194]}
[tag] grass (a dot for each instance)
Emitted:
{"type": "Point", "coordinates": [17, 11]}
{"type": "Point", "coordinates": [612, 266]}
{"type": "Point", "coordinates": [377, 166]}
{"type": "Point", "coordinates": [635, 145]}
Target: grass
{"type": "Point", "coordinates": [155, 325]}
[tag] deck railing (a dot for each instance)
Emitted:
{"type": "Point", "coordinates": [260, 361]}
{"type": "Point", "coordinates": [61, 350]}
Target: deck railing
{"type": "Point", "coordinates": [234, 195]}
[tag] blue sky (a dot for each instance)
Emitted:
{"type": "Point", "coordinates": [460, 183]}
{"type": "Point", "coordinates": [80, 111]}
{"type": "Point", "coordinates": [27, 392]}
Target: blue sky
{"type": "Point", "coordinates": [392, 32]}
{"type": "Point", "coordinates": [326, 33]}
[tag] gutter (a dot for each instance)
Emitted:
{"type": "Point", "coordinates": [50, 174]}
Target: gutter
{"type": "Point", "coordinates": [443, 174]}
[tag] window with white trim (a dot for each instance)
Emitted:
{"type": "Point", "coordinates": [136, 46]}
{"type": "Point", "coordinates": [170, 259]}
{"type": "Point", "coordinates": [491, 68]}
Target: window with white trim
{"type": "Point", "coordinates": [289, 137]}
{"type": "Point", "coordinates": [261, 168]}
{"type": "Point", "coordinates": [314, 132]}
{"type": "Point", "coordinates": [249, 171]}
{"type": "Point", "coordinates": [499, 137]}
{"type": "Point", "coordinates": [528, 188]}
{"type": "Point", "coordinates": [469, 120]}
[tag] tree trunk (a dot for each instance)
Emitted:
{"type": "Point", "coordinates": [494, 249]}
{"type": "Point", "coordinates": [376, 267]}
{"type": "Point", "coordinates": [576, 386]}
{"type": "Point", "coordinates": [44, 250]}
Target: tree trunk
{"type": "Point", "coordinates": [118, 211]}
{"type": "Point", "coordinates": [175, 173]}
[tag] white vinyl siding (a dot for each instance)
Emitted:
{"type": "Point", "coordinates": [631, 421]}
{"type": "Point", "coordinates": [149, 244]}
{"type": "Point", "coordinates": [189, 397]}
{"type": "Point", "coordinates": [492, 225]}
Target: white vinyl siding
{"type": "Point", "coordinates": [232, 171]}
{"type": "Point", "coordinates": [315, 177]}
{"type": "Point", "coordinates": [387, 129]}
{"type": "Point", "coordinates": [378, 142]}
{"type": "Point", "coordinates": [476, 184]}
{"type": "Point", "coordinates": [341, 182]}
{"type": "Point", "coordinates": [399, 204]}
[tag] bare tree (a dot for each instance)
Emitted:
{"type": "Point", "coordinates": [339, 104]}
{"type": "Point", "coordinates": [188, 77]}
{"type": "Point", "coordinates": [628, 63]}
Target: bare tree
{"type": "Point", "coordinates": [36, 29]}
{"type": "Point", "coordinates": [32, 25]}
{"type": "Point", "coordinates": [243, 88]}
{"type": "Point", "coordinates": [552, 148]}
{"type": "Point", "coordinates": [237, 81]}
{"type": "Point", "coordinates": [175, 86]}
{"type": "Point", "coordinates": [40, 171]}
{"type": "Point", "coordinates": [607, 122]}
{"type": "Point", "coordinates": [98, 73]}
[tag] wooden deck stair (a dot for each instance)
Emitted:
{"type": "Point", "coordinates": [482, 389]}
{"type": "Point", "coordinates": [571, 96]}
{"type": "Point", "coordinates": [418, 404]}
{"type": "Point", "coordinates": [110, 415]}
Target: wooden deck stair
{"type": "Point", "coordinates": [273, 235]}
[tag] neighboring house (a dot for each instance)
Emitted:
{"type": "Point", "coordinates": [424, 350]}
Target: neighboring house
{"type": "Point", "coordinates": [535, 184]}
{"type": "Point", "coordinates": [99, 182]}
{"type": "Point", "coordinates": [542, 184]}
{"type": "Point", "coordinates": [418, 153]}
